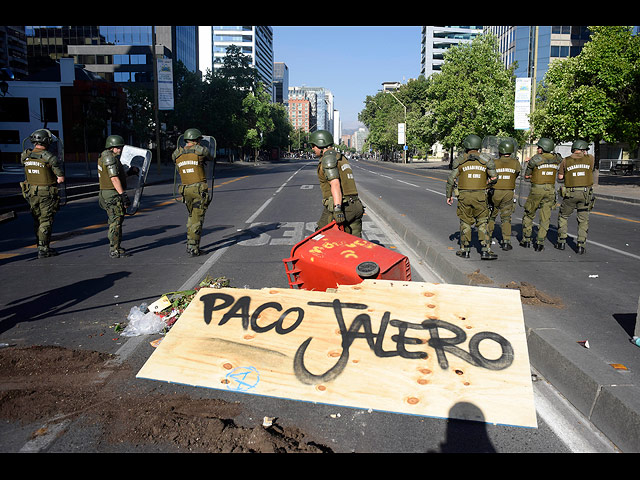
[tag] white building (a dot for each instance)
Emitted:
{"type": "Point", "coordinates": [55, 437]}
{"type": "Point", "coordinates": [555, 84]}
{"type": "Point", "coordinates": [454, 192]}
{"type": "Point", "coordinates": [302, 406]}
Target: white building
{"type": "Point", "coordinates": [436, 40]}
{"type": "Point", "coordinates": [254, 41]}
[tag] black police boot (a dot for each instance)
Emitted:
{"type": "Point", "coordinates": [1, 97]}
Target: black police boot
{"type": "Point", "coordinates": [560, 245]}
{"type": "Point", "coordinates": [463, 253]}
{"type": "Point", "coordinates": [488, 255]}
{"type": "Point", "coordinates": [525, 243]}
{"type": "Point", "coordinates": [47, 252]}
{"type": "Point", "coordinates": [580, 250]}
{"type": "Point", "coordinates": [538, 247]}
{"type": "Point", "coordinates": [506, 246]}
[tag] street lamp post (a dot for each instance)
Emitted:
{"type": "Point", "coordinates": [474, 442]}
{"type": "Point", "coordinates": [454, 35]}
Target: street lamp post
{"type": "Point", "coordinates": [404, 150]}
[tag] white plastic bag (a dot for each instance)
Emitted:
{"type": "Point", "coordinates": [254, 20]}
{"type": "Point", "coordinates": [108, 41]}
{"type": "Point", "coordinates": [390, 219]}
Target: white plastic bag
{"type": "Point", "coordinates": [143, 322]}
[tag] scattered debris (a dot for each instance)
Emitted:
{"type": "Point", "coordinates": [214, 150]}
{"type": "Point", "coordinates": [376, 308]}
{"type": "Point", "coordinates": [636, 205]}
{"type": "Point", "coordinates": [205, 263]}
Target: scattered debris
{"type": "Point", "coordinates": [584, 343]}
{"type": "Point", "coordinates": [618, 366]}
{"type": "Point", "coordinates": [478, 278]}
{"type": "Point", "coordinates": [530, 295]}
{"type": "Point", "coordinates": [636, 341]}
{"type": "Point", "coordinates": [593, 276]}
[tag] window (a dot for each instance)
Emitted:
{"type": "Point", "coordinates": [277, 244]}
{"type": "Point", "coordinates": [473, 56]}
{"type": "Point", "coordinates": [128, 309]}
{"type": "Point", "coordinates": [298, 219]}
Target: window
{"type": "Point", "coordinates": [48, 110]}
{"type": "Point", "coordinates": [13, 109]}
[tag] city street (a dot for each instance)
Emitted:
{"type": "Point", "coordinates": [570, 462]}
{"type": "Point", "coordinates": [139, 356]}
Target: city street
{"type": "Point", "coordinates": [258, 213]}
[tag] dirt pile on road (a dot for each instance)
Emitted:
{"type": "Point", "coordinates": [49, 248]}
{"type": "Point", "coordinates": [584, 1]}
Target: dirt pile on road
{"type": "Point", "coordinates": [44, 384]}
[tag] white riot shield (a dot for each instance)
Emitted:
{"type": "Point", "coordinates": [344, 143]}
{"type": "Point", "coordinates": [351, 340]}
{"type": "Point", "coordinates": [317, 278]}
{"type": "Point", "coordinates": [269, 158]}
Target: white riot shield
{"type": "Point", "coordinates": [141, 159]}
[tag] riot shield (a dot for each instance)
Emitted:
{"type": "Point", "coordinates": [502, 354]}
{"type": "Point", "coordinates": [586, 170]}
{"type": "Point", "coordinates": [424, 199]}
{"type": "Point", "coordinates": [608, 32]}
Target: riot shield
{"type": "Point", "coordinates": [141, 159]}
{"type": "Point", "coordinates": [206, 141]}
{"type": "Point", "coordinates": [57, 148]}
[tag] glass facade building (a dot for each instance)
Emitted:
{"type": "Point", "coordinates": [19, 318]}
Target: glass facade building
{"type": "Point", "coordinates": [436, 40]}
{"type": "Point", "coordinates": [117, 53]}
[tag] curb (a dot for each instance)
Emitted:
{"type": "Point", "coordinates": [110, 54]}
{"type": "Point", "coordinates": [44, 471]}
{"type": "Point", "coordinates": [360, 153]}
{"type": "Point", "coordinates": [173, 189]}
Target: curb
{"type": "Point", "coordinates": [600, 394]}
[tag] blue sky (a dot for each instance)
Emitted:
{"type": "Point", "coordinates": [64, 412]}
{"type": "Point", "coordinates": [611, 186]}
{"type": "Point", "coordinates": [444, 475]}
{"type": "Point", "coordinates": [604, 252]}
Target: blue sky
{"type": "Point", "coordinates": [352, 62]}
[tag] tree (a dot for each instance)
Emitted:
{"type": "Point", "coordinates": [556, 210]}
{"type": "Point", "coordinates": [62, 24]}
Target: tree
{"type": "Point", "coordinates": [473, 93]}
{"type": "Point", "coordinates": [594, 96]}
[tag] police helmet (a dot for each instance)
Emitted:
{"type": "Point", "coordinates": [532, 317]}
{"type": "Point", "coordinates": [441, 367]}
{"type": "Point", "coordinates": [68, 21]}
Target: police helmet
{"type": "Point", "coordinates": [579, 145]}
{"type": "Point", "coordinates": [546, 144]}
{"type": "Point", "coordinates": [472, 142]}
{"type": "Point", "coordinates": [114, 141]}
{"type": "Point", "coordinates": [192, 134]}
{"type": "Point", "coordinates": [321, 138]}
{"type": "Point", "coordinates": [506, 146]}
{"type": "Point", "coordinates": [41, 136]}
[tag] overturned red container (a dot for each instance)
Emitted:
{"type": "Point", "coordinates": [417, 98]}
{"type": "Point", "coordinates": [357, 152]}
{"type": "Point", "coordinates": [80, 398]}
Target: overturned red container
{"type": "Point", "coordinates": [332, 257]}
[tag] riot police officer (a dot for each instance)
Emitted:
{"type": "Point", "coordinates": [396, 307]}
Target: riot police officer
{"type": "Point", "coordinates": [501, 193]}
{"type": "Point", "coordinates": [43, 173]}
{"type": "Point", "coordinates": [541, 169]}
{"type": "Point", "coordinates": [577, 193]}
{"type": "Point", "coordinates": [113, 192]}
{"type": "Point", "coordinates": [190, 161]}
{"type": "Point", "coordinates": [474, 172]}
{"type": "Point", "coordinates": [339, 193]}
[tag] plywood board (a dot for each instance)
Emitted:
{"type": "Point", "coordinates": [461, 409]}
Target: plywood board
{"type": "Point", "coordinates": [447, 351]}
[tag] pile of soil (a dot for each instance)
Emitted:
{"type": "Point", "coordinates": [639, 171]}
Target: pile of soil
{"type": "Point", "coordinates": [530, 295]}
{"type": "Point", "coordinates": [45, 383]}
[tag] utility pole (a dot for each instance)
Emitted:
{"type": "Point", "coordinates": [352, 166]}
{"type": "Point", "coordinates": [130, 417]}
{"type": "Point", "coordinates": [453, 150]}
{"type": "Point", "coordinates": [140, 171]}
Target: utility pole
{"type": "Point", "coordinates": [404, 150]}
{"type": "Point", "coordinates": [155, 95]}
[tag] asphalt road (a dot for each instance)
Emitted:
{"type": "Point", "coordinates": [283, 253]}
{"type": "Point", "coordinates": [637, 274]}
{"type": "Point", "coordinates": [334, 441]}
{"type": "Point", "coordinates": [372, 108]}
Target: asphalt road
{"type": "Point", "coordinates": [258, 214]}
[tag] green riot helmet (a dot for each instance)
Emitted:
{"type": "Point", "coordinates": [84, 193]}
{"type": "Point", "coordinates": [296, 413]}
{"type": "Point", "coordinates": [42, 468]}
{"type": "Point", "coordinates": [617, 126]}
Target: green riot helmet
{"type": "Point", "coordinates": [114, 141]}
{"type": "Point", "coordinates": [192, 135]}
{"type": "Point", "coordinates": [472, 142]}
{"type": "Point", "coordinates": [41, 136]}
{"type": "Point", "coordinates": [546, 144]}
{"type": "Point", "coordinates": [321, 138]}
{"type": "Point", "coordinates": [506, 147]}
{"type": "Point", "coordinates": [579, 145]}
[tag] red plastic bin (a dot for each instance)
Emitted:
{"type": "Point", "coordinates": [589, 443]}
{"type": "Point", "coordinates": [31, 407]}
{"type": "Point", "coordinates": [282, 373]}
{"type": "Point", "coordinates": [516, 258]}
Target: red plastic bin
{"type": "Point", "coordinates": [332, 257]}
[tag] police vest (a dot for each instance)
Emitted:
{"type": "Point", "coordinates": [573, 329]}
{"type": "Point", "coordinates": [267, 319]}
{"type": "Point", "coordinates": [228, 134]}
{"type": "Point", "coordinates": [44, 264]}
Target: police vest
{"type": "Point", "coordinates": [506, 169]}
{"type": "Point", "coordinates": [578, 171]}
{"type": "Point", "coordinates": [190, 165]}
{"type": "Point", "coordinates": [347, 182]}
{"type": "Point", "coordinates": [545, 172]}
{"type": "Point", "coordinates": [37, 168]}
{"type": "Point", "coordinates": [104, 177]}
{"type": "Point", "coordinates": [472, 174]}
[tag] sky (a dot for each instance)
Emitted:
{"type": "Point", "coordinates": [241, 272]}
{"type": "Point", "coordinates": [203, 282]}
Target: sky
{"type": "Point", "coordinates": [351, 62]}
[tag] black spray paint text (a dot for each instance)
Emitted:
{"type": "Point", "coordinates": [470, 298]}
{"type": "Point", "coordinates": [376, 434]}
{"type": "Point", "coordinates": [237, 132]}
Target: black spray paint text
{"type": "Point", "coordinates": [360, 328]}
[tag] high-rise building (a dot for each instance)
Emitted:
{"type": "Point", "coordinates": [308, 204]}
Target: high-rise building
{"type": "Point", "coordinates": [436, 40]}
{"type": "Point", "coordinates": [13, 50]}
{"type": "Point", "coordinates": [254, 41]}
{"type": "Point", "coordinates": [280, 83]}
{"type": "Point", "coordinates": [321, 101]}
{"type": "Point", "coordinates": [517, 44]}
{"type": "Point", "coordinates": [120, 54]}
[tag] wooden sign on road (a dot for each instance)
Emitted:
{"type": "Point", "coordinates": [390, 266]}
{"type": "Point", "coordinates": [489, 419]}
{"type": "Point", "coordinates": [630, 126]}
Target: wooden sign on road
{"type": "Point", "coordinates": [437, 350]}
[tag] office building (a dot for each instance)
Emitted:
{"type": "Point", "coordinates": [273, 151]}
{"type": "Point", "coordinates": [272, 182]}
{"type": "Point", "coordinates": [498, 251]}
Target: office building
{"type": "Point", "coordinates": [254, 41]}
{"type": "Point", "coordinates": [321, 100]}
{"type": "Point", "coordinates": [120, 54]}
{"type": "Point", "coordinates": [436, 40]}
{"type": "Point", "coordinates": [13, 50]}
{"type": "Point", "coordinates": [517, 44]}
{"type": "Point", "coordinates": [280, 83]}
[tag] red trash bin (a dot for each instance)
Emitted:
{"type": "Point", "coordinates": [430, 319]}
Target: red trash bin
{"type": "Point", "coordinates": [332, 257]}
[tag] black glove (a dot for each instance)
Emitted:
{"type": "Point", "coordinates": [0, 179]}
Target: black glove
{"type": "Point", "coordinates": [125, 200]}
{"type": "Point", "coordinates": [338, 214]}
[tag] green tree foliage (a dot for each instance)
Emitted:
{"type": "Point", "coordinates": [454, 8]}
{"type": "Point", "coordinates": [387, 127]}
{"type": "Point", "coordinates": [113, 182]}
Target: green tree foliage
{"type": "Point", "coordinates": [229, 104]}
{"type": "Point", "coordinates": [473, 93]}
{"type": "Point", "coordinates": [594, 96]}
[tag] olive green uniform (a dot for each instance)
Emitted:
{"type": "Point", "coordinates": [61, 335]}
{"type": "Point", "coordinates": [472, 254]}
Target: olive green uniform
{"type": "Point", "coordinates": [577, 194]}
{"type": "Point", "coordinates": [543, 168]}
{"type": "Point", "coordinates": [110, 200]}
{"type": "Point", "coordinates": [190, 162]}
{"type": "Point", "coordinates": [501, 196]}
{"type": "Point", "coordinates": [333, 165]}
{"type": "Point", "coordinates": [472, 171]}
{"type": "Point", "coordinates": [40, 190]}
